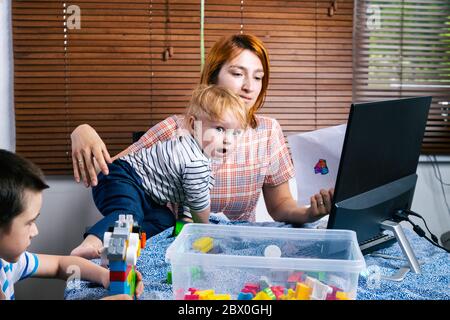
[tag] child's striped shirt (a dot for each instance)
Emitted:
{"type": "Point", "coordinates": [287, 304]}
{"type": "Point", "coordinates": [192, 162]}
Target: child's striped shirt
{"type": "Point", "coordinates": [10, 273]}
{"type": "Point", "coordinates": [175, 171]}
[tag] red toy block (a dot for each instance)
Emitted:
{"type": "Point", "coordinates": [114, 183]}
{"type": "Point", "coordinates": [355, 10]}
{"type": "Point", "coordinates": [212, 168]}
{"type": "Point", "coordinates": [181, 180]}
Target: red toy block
{"type": "Point", "coordinates": [252, 286]}
{"type": "Point", "coordinates": [191, 297]}
{"type": "Point", "coordinates": [295, 277]}
{"type": "Point", "coordinates": [117, 276]}
{"type": "Point", "coordinates": [249, 290]}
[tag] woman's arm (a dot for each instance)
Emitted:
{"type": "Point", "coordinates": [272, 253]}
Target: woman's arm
{"type": "Point", "coordinates": [90, 155]}
{"type": "Point", "coordinates": [282, 206]}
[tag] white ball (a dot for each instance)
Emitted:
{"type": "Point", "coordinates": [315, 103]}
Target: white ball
{"type": "Point", "coordinates": [272, 251]}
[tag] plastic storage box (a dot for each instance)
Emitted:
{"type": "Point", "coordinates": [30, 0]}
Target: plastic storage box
{"type": "Point", "coordinates": [248, 262]}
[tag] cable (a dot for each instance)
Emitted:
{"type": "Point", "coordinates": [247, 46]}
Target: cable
{"type": "Point", "coordinates": [412, 213]}
{"type": "Point", "coordinates": [403, 215]}
{"type": "Point", "coordinates": [434, 162]}
{"type": "Point", "coordinates": [438, 175]}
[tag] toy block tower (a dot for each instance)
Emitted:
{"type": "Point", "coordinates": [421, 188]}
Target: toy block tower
{"type": "Point", "coordinates": [122, 246]}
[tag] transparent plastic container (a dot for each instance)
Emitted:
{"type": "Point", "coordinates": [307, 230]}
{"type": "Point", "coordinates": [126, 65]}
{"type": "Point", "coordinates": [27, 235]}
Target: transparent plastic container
{"type": "Point", "coordinates": [260, 257]}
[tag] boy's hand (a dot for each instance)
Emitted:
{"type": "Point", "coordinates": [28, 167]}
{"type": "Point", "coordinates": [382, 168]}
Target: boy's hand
{"type": "Point", "coordinates": [118, 297]}
{"type": "Point", "coordinates": [2, 295]}
{"type": "Point", "coordinates": [138, 292]}
{"type": "Point", "coordinates": [139, 284]}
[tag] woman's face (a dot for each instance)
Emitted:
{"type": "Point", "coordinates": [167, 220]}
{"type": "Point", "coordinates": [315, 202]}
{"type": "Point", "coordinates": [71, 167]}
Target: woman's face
{"type": "Point", "coordinates": [243, 75]}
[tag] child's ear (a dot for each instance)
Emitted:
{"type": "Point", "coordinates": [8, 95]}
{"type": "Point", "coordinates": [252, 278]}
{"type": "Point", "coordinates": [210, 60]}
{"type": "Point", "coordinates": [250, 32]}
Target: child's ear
{"type": "Point", "coordinates": [191, 122]}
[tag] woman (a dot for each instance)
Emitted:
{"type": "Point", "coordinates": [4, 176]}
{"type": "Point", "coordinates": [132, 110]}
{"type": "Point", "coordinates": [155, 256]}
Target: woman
{"type": "Point", "coordinates": [262, 162]}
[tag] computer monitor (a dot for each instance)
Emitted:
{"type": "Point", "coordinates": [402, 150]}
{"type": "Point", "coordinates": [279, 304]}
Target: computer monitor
{"type": "Point", "coordinates": [377, 169]}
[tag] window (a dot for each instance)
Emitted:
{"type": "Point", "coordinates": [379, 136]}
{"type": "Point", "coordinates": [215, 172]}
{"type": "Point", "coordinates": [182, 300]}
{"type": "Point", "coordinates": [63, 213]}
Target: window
{"type": "Point", "coordinates": [402, 49]}
{"type": "Point", "coordinates": [112, 72]}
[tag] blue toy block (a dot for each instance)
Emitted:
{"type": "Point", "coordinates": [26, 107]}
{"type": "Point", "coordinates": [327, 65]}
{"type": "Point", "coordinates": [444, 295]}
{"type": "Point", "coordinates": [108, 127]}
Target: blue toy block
{"type": "Point", "coordinates": [118, 266]}
{"type": "Point", "coordinates": [245, 296]}
{"type": "Point", "coordinates": [118, 287]}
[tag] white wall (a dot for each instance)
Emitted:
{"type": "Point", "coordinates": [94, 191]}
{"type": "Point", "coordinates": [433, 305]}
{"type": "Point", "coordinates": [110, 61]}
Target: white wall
{"type": "Point", "coordinates": [7, 132]}
{"type": "Point", "coordinates": [66, 211]}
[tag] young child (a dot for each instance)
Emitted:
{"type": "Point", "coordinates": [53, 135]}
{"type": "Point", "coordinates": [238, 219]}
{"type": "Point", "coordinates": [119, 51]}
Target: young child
{"type": "Point", "coordinates": [176, 171]}
{"type": "Point", "coordinates": [21, 186]}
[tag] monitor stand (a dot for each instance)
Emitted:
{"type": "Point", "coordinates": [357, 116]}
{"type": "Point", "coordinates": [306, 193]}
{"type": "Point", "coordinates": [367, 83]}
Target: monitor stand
{"type": "Point", "coordinates": [406, 248]}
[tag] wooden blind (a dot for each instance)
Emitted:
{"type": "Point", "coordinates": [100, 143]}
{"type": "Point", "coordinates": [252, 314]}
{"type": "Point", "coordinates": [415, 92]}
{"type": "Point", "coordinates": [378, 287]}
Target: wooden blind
{"type": "Point", "coordinates": [112, 72]}
{"type": "Point", "coordinates": [402, 49]}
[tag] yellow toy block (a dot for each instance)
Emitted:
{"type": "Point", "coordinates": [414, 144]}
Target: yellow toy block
{"type": "Point", "coordinates": [221, 297]}
{"type": "Point", "coordinates": [205, 294]}
{"type": "Point", "coordinates": [262, 296]}
{"type": "Point", "coordinates": [340, 295]}
{"type": "Point", "coordinates": [290, 294]}
{"type": "Point", "coordinates": [203, 244]}
{"type": "Point", "coordinates": [302, 291]}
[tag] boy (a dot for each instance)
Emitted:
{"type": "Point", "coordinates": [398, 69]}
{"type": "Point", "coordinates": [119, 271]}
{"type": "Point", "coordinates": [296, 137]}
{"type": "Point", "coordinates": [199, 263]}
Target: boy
{"type": "Point", "coordinates": [21, 186]}
{"type": "Point", "coordinates": [176, 171]}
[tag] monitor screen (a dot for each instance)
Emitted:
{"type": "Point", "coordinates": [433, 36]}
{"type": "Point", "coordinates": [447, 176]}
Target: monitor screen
{"type": "Point", "coordinates": [377, 169]}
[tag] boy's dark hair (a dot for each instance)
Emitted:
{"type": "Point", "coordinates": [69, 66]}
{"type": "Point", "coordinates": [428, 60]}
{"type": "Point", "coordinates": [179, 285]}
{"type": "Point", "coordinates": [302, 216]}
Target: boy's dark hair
{"type": "Point", "coordinates": [17, 174]}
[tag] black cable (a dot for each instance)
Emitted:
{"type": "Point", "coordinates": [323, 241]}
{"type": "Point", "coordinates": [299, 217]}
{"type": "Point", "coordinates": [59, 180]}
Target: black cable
{"type": "Point", "coordinates": [412, 213]}
{"type": "Point", "coordinates": [438, 175]}
{"type": "Point", "coordinates": [403, 215]}
{"type": "Point", "coordinates": [434, 164]}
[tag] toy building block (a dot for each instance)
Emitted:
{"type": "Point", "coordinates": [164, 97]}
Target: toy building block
{"type": "Point", "coordinates": [169, 277]}
{"type": "Point", "coordinates": [270, 293]}
{"type": "Point", "coordinates": [245, 296]}
{"type": "Point", "coordinates": [262, 296]}
{"type": "Point", "coordinates": [196, 273]}
{"type": "Point", "coordinates": [302, 291]}
{"type": "Point", "coordinates": [205, 294]}
{"type": "Point", "coordinates": [179, 224]}
{"type": "Point", "coordinates": [340, 295]}
{"type": "Point", "coordinates": [122, 246]}
{"type": "Point", "coordinates": [294, 278]}
{"type": "Point", "coordinates": [203, 244]}
{"type": "Point", "coordinates": [319, 289]}
{"type": "Point", "coordinates": [191, 297]}
{"type": "Point", "coordinates": [264, 282]}
{"type": "Point", "coordinates": [222, 296]}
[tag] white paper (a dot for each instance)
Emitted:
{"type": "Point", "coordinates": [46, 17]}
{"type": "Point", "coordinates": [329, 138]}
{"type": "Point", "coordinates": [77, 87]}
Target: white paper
{"type": "Point", "coordinates": [316, 156]}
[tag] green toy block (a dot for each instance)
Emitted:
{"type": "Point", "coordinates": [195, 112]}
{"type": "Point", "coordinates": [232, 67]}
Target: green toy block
{"type": "Point", "coordinates": [196, 273]}
{"type": "Point", "coordinates": [179, 224]}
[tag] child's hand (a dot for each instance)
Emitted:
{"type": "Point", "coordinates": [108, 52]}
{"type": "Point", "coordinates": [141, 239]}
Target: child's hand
{"type": "Point", "coordinates": [138, 292]}
{"type": "Point", "coordinates": [2, 295]}
{"type": "Point", "coordinates": [118, 297]}
{"type": "Point", "coordinates": [139, 284]}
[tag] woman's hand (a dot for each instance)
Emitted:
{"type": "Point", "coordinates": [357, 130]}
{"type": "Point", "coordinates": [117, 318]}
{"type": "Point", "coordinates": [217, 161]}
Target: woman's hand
{"type": "Point", "coordinates": [88, 150]}
{"type": "Point", "coordinates": [320, 204]}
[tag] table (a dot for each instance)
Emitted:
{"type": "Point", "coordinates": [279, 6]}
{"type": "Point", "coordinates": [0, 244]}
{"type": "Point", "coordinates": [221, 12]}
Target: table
{"type": "Point", "coordinates": [432, 283]}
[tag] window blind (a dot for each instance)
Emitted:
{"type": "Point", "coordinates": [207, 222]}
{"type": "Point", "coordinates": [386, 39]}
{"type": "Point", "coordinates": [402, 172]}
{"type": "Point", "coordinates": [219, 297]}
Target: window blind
{"type": "Point", "coordinates": [402, 49]}
{"type": "Point", "coordinates": [115, 73]}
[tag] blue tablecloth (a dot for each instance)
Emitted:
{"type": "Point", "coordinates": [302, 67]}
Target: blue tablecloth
{"type": "Point", "coordinates": [432, 283]}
